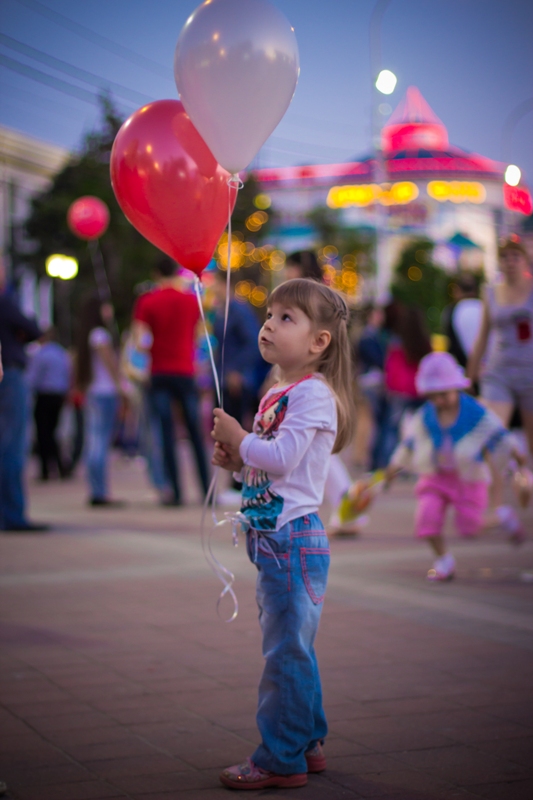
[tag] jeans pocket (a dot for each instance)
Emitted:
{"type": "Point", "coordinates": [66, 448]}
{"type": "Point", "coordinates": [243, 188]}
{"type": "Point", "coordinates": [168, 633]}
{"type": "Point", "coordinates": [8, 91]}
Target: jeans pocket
{"type": "Point", "coordinates": [315, 565]}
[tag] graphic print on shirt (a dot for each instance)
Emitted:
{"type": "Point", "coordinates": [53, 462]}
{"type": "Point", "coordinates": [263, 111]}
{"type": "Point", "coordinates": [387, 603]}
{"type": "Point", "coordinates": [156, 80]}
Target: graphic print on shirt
{"type": "Point", "coordinates": [260, 503]}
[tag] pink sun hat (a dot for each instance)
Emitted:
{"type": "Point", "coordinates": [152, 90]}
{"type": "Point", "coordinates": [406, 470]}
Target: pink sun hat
{"type": "Point", "coordinates": [440, 372]}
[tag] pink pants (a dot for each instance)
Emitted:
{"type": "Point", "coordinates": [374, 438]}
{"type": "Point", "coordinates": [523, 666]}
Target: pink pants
{"type": "Point", "coordinates": [436, 492]}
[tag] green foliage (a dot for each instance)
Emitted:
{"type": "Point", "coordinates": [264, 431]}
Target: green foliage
{"type": "Point", "coordinates": [419, 282]}
{"type": "Point", "coordinates": [348, 241]}
{"type": "Point", "coordinates": [245, 207]}
{"type": "Point", "coordinates": [127, 255]}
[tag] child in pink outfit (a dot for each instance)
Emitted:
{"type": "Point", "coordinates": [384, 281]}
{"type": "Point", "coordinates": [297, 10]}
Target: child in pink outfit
{"type": "Point", "coordinates": [448, 443]}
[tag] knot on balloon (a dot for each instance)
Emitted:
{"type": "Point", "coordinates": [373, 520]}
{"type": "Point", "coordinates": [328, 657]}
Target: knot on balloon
{"type": "Point", "coordinates": [234, 182]}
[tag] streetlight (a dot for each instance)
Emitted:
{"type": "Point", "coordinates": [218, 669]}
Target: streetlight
{"type": "Point", "coordinates": [386, 81]}
{"type": "Point", "coordinates": [60, 266]}
{"type": "Point", "coordinates": [512, 175]}
{"type": "Point", "coordinates": [65, 268]}
{"type": "Point", "coordinates": [383, 82]}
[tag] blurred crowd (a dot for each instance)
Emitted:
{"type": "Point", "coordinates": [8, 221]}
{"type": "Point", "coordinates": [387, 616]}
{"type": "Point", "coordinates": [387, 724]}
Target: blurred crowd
{"type": "Point", "coordinates": [144, 390]}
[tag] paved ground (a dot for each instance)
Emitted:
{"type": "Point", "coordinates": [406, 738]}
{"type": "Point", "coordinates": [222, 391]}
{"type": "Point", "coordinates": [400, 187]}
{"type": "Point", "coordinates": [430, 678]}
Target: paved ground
{"type": "Point", "coordinates": [119, 681]}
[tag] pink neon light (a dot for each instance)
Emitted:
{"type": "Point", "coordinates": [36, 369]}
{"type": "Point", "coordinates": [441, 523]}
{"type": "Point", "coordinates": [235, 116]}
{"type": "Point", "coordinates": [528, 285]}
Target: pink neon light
{"type": "Point", "coordinates": [429, 166]}
{"type": "Point", "coordinates": [413, 136]}
{"type": "Point", "coordinates": [313, 171]}
{"type": "Point", "coordinates": [443, 164]}
{"type": "Point", "coordinates": [516, 198]}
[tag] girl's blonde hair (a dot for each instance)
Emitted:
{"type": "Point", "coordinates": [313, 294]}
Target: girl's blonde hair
{"type": "Point", "coordinates": [327, 310]}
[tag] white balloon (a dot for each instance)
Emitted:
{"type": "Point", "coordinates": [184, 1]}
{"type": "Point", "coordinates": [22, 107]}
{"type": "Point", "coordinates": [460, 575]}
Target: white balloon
{"type": "Point", "coordinates": [236, 67]}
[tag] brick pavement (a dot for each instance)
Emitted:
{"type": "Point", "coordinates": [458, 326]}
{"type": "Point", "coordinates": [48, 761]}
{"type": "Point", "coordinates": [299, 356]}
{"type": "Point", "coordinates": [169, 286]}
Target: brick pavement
{"type": "Point", "coordinates": [119, 681]}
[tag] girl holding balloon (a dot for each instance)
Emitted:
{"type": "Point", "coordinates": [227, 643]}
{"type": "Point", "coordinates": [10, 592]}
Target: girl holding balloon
{"type": "Point", "coordinates": [283, 464]}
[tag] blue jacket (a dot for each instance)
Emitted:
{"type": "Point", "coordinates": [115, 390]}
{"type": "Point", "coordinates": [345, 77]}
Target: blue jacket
{"type": "Point", "coordinates": [241, 351]}
{"type": "Point", "coordinates": [15, 331]}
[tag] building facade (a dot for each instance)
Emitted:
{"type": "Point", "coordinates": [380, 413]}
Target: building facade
{"type": "Point", "coordinates": [418, 185]}
{"type": "Point", "coordinates": [27, 168]}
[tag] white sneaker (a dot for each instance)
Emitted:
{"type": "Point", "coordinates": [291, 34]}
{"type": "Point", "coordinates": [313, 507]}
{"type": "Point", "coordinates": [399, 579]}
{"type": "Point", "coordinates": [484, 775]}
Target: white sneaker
{"type": "Point", "coordinates": [443, 569]}
{"type": "Point", "coordinates": [229, 498]}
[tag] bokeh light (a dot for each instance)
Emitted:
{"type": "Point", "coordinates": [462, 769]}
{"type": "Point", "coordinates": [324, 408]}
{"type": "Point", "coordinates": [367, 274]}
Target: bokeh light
{"type": "Point", "coordinates": [243, 288]}
{"type": "Point", "coordinates": [262, 201]}
{"type": "Point", "coordinates": [256, 220]}
{"type": "Point", "coordinates": [386, 81]}
{"type": "Point", "coordinates": [512, 175]}
{"type": "Point", "coordinates": [60, 266]}
{"type": "Point", "coordinates": [259, 296]}
{"type": "Point", "coordinates": [277, 260]}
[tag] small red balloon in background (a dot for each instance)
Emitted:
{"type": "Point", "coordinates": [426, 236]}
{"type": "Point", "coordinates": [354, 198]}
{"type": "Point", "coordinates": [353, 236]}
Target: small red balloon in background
{"type": "Point", "coordinates": [169, 185]}
{"type": "Point", "coordinates": [88, 217]}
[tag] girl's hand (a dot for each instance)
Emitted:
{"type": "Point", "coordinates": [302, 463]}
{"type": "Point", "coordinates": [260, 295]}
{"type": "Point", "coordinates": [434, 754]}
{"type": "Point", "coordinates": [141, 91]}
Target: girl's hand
{"type": "Point", "coordinates": [226, 458]}
{"type": "Point", "coordinates": [227, 430]}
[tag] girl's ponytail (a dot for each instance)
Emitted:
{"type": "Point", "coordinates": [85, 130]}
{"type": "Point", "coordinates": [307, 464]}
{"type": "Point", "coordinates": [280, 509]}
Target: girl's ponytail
{"type": "Point", "coordinates": [336, 368]}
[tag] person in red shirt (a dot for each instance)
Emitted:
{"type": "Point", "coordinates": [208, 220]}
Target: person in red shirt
{"type": "Point", "coordinates": [171, 315]}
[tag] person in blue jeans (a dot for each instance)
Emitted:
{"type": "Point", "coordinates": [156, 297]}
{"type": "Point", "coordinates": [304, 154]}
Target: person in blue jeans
{"type": "Point", "coordinates": [97, 373]}
{"type": "Point", "coordinates": [283, 465]}
{"type": "Point", "coordinates": [170, 313]}
{"type": "Point", "coordinates": [15, 331]}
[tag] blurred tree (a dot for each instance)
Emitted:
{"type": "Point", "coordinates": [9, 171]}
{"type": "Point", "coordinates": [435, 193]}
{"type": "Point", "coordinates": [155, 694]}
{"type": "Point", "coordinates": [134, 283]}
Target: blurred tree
{"type": "Point", "coordinates": [243, 218]}
{"type": "Point", "coordinates": [128, 256]}
{"type": "Point", "coordinates": [419, 282]}
{"type": "Point", "coordinates": [251, 254]}
{"type": "Point", "coordinates": [357, 241]}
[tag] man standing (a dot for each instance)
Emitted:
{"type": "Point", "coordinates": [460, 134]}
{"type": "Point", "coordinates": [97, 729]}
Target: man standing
{"type": "Point", "coordinates": [15, 331]}
{"type": "Point", "coordinates": [171, 314]}
{"type": "Point", "coordinates": [241, 353]}
{"type": "Point", "coordinates": [238, 366]}
{"type": "Point", "coordinates": [49, 376]}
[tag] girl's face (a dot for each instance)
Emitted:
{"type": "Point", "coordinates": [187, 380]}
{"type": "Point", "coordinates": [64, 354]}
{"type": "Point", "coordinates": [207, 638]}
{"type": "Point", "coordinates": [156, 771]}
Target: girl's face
{"type": "Point", "coordinates": [289, 339]}
{"type": "Point", "coordinates": [513, 264]}
{"type": "Point", "coordinates": [445, 401]}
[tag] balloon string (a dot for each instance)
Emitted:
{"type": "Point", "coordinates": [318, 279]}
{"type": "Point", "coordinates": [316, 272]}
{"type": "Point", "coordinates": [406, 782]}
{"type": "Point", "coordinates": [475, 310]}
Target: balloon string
{"type": "Point", "coordinates": [208, 339]}
{"type": "Point", "coordinates": [102, 283]}
{"type": "Point", "coordinates": [228, 292]}
{"type": "Point", "coordinates": [225, 576]}
{"type": "Point", "coordinates": [100, 274]}
{"type": "Point", "coordinates": [234, 182]}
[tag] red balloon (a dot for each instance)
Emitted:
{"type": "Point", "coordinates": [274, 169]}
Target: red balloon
{"type": "Point", "coordinates": [169, 185]}
{"type": "Point", "coordinates": [88, 217]}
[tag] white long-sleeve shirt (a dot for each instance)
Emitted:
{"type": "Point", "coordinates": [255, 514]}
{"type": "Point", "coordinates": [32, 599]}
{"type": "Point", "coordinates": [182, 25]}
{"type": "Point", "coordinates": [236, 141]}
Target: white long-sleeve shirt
{"type": "Point", "coordinates": [286, 458]}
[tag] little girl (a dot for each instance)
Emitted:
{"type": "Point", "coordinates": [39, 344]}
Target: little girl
{"type": "Point", "coordinates": [283, 465]}
{"type": "Point", "coordinates": [448, 442]}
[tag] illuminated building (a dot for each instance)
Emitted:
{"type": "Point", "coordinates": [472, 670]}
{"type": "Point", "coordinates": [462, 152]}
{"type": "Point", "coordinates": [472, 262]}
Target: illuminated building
{"type": "Point", "coordinates": [27, 168]}
{"type": "Point", "coordinates": [434, 189]}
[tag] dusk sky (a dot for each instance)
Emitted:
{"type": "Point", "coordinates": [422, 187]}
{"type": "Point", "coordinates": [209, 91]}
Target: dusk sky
{"type": "Point", "coordinates": [471, 59]}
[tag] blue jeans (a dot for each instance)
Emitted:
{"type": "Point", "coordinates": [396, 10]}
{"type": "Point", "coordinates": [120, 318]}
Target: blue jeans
{"type": "Point", "coordinates": [100, 419]}
{"type": "Point", "coordinates": [151, 444]}
{"type": "Point", "coordinates": [397, 406]}
{"type": "Point", "coordinates": [163, 390]}
{"type": "Point", "coordinates": [14, 398]}
{"type": "Point", "coordinates": [293, 570]}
